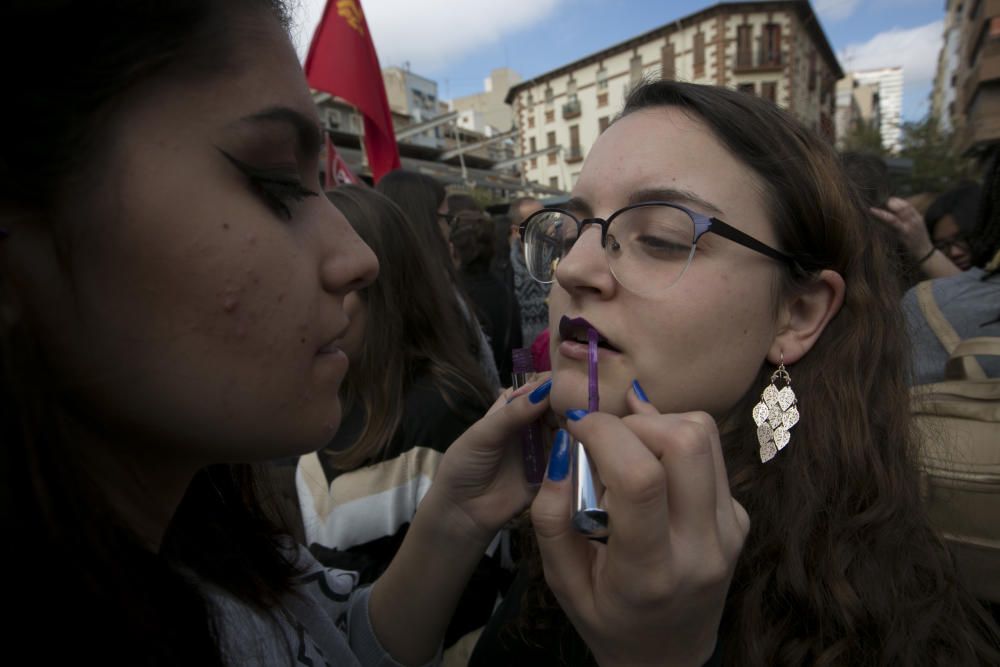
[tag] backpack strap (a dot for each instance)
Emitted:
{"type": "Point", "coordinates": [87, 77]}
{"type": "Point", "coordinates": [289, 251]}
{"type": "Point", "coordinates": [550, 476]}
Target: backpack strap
{"type": "Point", "coordinates": [962, 364]}
{"type": "Point", "coordinates": [965, 366]}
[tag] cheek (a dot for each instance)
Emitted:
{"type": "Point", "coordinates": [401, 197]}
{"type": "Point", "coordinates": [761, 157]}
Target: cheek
{"type": "Point", "coordinates": [703, 351]}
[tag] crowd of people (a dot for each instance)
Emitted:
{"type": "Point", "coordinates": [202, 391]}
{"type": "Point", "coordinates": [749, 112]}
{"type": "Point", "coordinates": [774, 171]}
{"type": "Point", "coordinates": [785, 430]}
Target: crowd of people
{"type": "Point", "coordinates": [249, 422]}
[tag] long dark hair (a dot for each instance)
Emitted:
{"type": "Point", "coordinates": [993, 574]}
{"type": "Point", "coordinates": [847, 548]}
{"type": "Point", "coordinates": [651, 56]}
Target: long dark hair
{"type": "Point", "coordinates": [419, 196]}
{"type": "Point", "coordinates": [841, 565]}
{"type": "Point", "coordinates": [411, 331]}
{"type": "Point", "coordinates": [120, 601]}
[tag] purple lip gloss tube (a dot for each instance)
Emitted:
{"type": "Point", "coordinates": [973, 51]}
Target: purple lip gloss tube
{"type": "Point", "coordinates": [531, 437]}
{"type": "Point", "coordinates": [589, 518]}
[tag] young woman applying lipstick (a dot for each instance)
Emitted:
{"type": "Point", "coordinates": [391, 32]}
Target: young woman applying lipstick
{"type": "Point", "coordinates": [715, 246]}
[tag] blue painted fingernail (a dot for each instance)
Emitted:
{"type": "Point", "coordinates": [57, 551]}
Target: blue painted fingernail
{"type": "Point", "coordinates": [637, 388]}
{"type": "Point", "coordinates": [576, 415]}
{"type": "Point", "coordinates": [540, 392]}
{"type": "Point", "coordinates": [559, 458]}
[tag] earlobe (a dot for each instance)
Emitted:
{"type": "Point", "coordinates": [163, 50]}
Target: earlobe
{"type": "Point", "coordinates": [806, 315]}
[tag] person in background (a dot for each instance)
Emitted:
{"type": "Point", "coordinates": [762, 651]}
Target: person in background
{"type": "Point", "coordinates": [412, 388]}
{"type": "Point", "coordinates": [969, 300]}
{"type": "Point", "coordinates": [472, 239]}
{"type": "Point", "coordinates": [937, 243]}
{"type": "Point", "coordinates": [423, 200]}
{"type": "Point", "coordinates": [869, 175]}
{"type": "Point", "coordinates": [950, 220]}
{"type": "Point", "coordinates": [531, 296]}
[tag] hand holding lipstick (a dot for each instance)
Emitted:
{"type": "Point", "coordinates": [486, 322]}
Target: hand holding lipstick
{"type": "Point", "coordinates": [655, 593]}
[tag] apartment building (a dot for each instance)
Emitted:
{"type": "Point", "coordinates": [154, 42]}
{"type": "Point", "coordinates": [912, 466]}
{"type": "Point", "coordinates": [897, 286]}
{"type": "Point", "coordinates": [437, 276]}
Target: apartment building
{"type": "Point", "coordinates": [946, 74]}
{"type": "Point", "coordinates": [857, 104]}
{"type": "Point", "coordinates": [976, 111]}
{"type": "Point", "coordinates": [486, 112]}
{"type": "Point", "coordinates": [889, 81]}
{"type": "Point", "coordinates": [772, 48]}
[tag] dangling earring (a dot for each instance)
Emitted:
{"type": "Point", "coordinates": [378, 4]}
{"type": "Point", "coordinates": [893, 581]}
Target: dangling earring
{"type": "Point", "coordinates": [776, 414]}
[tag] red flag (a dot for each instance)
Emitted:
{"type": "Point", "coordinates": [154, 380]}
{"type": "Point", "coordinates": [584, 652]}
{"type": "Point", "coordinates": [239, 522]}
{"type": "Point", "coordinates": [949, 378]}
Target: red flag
{"type": "Point", "coordinates": [342, 62]}
{"type": "Point", "coordinates": [337, 171]}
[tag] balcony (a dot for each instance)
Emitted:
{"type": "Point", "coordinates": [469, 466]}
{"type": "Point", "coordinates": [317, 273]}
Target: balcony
{"type": "Point", "coordinates": [571, 109]}
{"type": "Point", "coordinates": [573, 154]}
{"type": "Point", "coordinates": [745, 64]}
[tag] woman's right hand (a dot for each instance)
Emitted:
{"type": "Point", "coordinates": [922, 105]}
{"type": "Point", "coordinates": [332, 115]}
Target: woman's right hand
{"type": "Point", "coordinates": [654, 595]}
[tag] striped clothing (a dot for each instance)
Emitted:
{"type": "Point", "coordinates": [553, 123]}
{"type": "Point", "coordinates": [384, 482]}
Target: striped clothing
{"type": "Point", "coordinates": [356, 520]}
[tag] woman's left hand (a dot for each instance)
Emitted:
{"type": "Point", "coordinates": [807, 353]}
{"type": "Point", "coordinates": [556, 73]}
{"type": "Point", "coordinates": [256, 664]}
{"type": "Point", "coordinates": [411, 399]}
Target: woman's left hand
{"type": "Point", "coordinates": [481, 483]}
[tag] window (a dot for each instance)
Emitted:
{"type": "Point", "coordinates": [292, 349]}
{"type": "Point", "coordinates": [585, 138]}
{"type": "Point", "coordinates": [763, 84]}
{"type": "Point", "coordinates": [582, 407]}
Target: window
{"type": "Point", "coordinates": [744, 47]}
{"type": "Point", "coordinates": [602, 78]}
{"type": "Point", "coordinates": [534, 163]}
{"type": "Point", "coordinates": [551, 137]}
{"type": "Point", "coordinates": [571, 88]}
{"type": "Point", "coordinates": [534, 145]}
{"type": "Point", "coordinates": [602, 123]}
{"type": "Point", "coordinates": [602, 99]}
{"type": "Point", "coordinates": [552, 158]}
{"type": "Point", "coordinates": [531, 99]}
{"type": "Point", "coordinates": [668, 68]}
{"type": "Point", "coordinates": [549, 95]}
{"type": "Point", "coordinates": [699, 54]}
{"type": "Point", "coordinates": [769, 91]}
{"type": "Point", "coordinates": [574, 137]}
{"type": "Point", "coordinates": [747, 88]}
{"type": "Point", "coordinates": [554, 182]}
{"type": "Point", "coordinates": [770, 46]}
{"type": "Point", "coordinates": [635, 69]}
{"type": "Point", "coordinates": [531, 121]}
{"type": "Point", "coordinates": [550, 115]}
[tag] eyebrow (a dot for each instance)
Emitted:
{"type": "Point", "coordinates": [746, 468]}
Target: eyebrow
{"type": "Point", "coordinates": [307, 132]}
{"type": "Point", "coordinates": [674, 195]}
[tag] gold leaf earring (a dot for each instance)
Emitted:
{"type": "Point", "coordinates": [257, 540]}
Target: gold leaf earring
{"type": "Point", "coordinates": [776, 414]}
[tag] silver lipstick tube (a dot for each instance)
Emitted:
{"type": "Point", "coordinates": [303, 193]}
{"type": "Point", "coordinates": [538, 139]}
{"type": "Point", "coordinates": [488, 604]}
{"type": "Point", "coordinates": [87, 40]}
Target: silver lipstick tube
{"type": "Point", "coordinates": [588, 517]}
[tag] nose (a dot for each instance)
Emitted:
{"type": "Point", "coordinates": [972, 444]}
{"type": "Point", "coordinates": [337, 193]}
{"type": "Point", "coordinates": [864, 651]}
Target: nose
{"type": "Point", "coordinates": [348, 265]}
{"type": "Point", "coordinates": [585, 270]}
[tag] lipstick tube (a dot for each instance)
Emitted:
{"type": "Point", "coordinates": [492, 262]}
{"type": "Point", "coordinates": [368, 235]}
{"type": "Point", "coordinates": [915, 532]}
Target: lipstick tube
{"type": "Point", "coordinates": [532, 450]}
{"type": "Point", "coordinates": [588, 516]}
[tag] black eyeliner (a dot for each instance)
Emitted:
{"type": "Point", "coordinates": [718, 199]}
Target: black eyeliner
{"type": "Point", "coordinates": [274, 187]}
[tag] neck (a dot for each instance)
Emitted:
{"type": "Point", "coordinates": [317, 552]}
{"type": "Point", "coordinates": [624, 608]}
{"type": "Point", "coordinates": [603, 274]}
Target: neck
{"type": "Point", "coordinates": [141, 484]}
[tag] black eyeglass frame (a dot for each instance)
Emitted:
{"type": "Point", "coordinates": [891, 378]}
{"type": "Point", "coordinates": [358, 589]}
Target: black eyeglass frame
{"type": "Point", "coordinates": [702, 225]}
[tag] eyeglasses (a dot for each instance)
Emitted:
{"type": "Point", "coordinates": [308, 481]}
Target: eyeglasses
{"type": "Point", "coordinates": [648, 245]}
{"type": "Point", "coordinates": [945, 245]}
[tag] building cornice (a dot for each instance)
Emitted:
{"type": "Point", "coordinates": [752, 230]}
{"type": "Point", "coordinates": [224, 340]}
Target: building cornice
{"type": "Point", "coordinates": [802, 8]}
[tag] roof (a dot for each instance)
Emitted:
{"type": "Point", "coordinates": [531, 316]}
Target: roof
{"type": "Point", "coordinates": [802, 7]}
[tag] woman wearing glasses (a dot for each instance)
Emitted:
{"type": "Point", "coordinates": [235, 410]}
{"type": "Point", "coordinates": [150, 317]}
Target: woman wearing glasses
{"type": "Point", "coordinates": [937, 242]}
{"type": "Point", "coordinates": [712, 243]}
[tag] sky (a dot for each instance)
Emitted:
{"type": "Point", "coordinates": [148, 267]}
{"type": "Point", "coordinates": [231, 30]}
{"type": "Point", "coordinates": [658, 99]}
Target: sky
{"type": "Point", "coordinates": [458, 42]}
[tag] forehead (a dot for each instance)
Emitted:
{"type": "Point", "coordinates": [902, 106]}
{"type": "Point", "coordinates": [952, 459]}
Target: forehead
{"type": "Point", "coordinates": [260, 71]}
{"type": "Point", "coordinates": [666, 149]}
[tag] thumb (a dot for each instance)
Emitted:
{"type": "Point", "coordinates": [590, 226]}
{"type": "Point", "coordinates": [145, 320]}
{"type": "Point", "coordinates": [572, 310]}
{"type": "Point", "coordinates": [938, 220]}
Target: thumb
{"type": "Point", "coordinates": [565, 553]}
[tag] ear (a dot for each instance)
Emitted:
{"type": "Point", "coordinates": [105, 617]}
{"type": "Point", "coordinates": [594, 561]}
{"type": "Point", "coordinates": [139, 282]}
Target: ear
{"type": "Point", "coordinates": [804, 317]}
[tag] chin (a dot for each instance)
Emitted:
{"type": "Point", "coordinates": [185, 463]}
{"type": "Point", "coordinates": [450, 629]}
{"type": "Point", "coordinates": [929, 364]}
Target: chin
{"type": "Point", "coordinates": [569, 392]}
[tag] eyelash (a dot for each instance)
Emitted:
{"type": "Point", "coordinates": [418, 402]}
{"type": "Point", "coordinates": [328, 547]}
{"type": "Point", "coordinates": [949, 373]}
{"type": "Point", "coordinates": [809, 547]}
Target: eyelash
{"type": "Point", "coordinates": [277, 193]}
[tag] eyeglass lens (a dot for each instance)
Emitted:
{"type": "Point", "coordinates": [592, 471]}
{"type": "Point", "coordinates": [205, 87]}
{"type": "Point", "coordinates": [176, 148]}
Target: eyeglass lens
{"type": "Point", "coordinates": [648, 248]}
